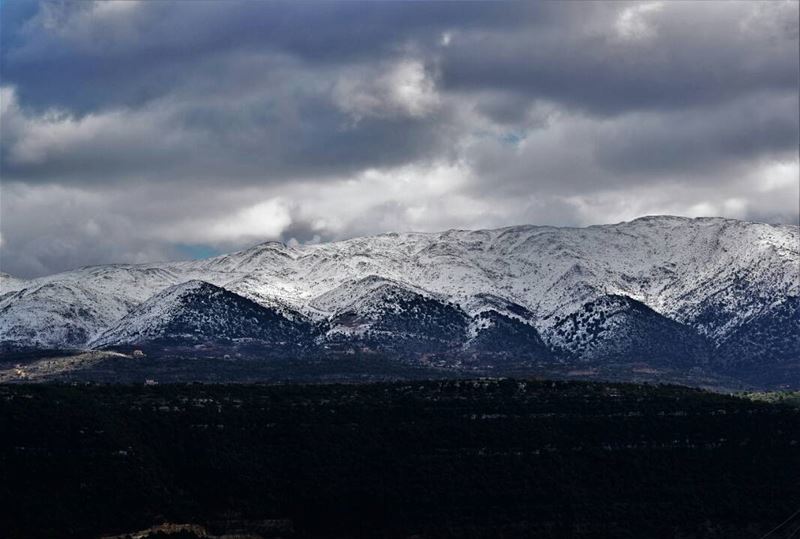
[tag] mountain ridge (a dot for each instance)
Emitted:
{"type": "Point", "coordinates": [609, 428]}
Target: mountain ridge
{"type": "Point", "coordinates": [710, 275]}
{"type": "Point", "coordinates": [195, 313]}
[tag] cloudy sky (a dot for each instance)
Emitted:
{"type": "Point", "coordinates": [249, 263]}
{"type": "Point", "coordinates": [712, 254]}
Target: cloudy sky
{"type": "Point", "coordinates": [138, 131]}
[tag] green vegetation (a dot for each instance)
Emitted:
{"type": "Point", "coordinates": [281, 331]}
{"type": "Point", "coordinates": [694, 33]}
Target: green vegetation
{"type": "Point", "coordinates": [471, 459]}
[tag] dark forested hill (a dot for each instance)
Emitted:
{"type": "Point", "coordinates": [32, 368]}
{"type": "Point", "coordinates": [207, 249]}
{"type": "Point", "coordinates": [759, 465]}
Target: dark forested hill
{"type": "Point", "coordinates": [471, 459]}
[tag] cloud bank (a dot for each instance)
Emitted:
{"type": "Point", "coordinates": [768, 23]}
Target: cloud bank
{"type": "Point", "coordinates": [136, 131]}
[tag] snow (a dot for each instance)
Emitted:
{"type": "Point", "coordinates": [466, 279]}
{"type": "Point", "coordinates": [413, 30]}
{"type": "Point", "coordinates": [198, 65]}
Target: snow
{"type": "Point", "coordinates": [679, 267]}
{"type": "Point", "coordinates": [9, 283]}
{"type": "Point", "coordinates": [143, 321]}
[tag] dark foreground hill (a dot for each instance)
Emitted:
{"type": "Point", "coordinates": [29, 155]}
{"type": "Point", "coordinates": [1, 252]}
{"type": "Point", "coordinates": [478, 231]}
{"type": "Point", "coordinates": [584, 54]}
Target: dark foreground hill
{"type": "Point", "coordinates": [467, 459]}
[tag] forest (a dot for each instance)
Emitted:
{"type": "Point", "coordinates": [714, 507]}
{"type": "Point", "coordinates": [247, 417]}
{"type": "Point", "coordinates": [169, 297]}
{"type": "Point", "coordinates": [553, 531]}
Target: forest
{"type": "Point", "coordinates": [426, 459]}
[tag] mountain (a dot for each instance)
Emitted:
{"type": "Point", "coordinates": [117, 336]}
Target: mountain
{"type": "Point", "coordinates": [496, 333]}
{"type": "Point", "coordinates": [767, 344]}
{"type": "Point", "coordinates": [58, 314]}
{"type": "Point", "coordinates": [198, 313]}
{"type": "Point", "coordinates": [619, 329]}
{"type": "Point", "coordinates": [480, 303]}
{"type": "Point", "coordinates": [385, 315]}
{"type": "Point", "coordinates": [9, 283]}
{"type": "Point", "coordinates": [68, 310]}
{"type": "Point", "coordinates": [697, 280]}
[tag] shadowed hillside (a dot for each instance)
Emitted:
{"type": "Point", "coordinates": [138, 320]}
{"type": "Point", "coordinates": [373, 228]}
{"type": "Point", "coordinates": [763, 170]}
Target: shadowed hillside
{"type": "Point", "coordinates": [465, 459]}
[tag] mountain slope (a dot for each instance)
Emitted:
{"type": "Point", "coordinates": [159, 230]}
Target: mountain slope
{"type": "Point", "coordinates": [499, 334]}
{"type": "Point", "coordinates": [385, 315]}
{"type": "Point", "coordinates": [197, 312]}
{"type": "Point", "coordinates": [56, 315]}
{"type": "Point", "coordinates": [619, 329]}
{"type": "Point", "coordinates": [709, 274]}
{"type": "Point", "coordinates": [9, 283]}
{"type": "Point", "coordinates": [769, 339]}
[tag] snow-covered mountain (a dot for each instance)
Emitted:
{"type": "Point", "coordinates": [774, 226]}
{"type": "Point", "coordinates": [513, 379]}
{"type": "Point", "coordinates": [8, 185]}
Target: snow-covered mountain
{"type": "Point", "coordinates": [497, 333]}
{"type": "Point", "coordinates": [710, 275]}
{"type": "Point", "coordinates": [58, 314]}
{"type": "Point", "coordinates": [199, 313]}
{"type": "Point", "coordinates": [9, 283]}
{"type": "Point", "coordinates": [384, 314]}
{"type": "Point", "coordinates": [620, 329]}
{"type": "Point", "coordinates": [769, 338]}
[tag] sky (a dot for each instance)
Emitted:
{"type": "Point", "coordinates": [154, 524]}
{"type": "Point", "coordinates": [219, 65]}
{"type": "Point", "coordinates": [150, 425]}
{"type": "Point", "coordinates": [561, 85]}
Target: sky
{"type": "Point", "coordinates": [135, 131]}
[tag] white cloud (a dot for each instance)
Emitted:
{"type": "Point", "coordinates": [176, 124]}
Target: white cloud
{"type": "Point", "coordinates": [777, 18]}
{"type": "Point", "coordinates": [87, 25]}
{"type": "Point", "coordinates": [778, 175]}
{"type": "Point", "coordinates": [734, 207]}
{"type": "Point", "coordinates": [140, 129]}
{"type": "Point", "coordinates": [103, 8]}
{"type": "Point", "coordinates": [414, 197]}
{"type": "Point", "coordinates": [635, 22]}
{"type": "Point", "coordinates": [404, 88]}
{"type": "Point", "coordinates": [266, 219]}
{"type": "Point", "coordinates": [257, 222]}
{"type": "Point", "coordinates": [52, 135]}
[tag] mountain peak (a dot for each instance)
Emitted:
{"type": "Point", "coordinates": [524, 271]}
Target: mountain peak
{"type": "Point", "coordinates": [198, 312]}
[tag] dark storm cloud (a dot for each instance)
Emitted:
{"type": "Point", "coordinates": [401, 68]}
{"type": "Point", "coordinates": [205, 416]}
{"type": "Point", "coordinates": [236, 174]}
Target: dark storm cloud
{"type": "Point", "coordinates": [135, 130]}
{"type": "Point", "coordinates": [247, 139]}
{"type": "Point", "coordinates": [159, 44]}
{"type": "Point", "coordinates": [674, 55]}
{"type": "Point", "coordinates": [639, 149]}
{"type": "Point", "coordinates": [762, 126]}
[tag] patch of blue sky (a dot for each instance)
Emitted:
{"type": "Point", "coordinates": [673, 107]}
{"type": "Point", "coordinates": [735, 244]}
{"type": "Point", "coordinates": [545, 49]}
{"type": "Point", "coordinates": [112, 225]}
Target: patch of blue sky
{"type": "Point", "coordinates": [510, 138]}
{"type": "Point", "coordinates": [197, 251]}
